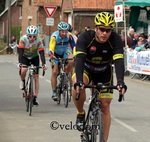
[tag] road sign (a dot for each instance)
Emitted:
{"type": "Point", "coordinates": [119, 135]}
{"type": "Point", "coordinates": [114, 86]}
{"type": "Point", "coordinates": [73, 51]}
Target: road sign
{"type": "Point", "coordinates": [118, 13]}
{"type": "Point", "coordinates": [49, 21]}
{"type": "Point", "coordinates": [50, 10]}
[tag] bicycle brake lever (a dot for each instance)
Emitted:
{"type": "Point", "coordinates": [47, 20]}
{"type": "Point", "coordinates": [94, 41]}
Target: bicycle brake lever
{"type": "Point", "coordinates": [121, 97]}
{"type": "Point", "coordinates": [43, 73]}
{"type": "Point", "coordinates": [77, 95]}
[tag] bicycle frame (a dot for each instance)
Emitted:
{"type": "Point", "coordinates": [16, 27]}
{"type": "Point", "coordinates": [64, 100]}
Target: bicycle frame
{"type": "Point", "coordinates": [29, 85]}
{"type": "Point", "coordinates": [62, 87]}
{"type": "Point", "coordinates": [93, 126]}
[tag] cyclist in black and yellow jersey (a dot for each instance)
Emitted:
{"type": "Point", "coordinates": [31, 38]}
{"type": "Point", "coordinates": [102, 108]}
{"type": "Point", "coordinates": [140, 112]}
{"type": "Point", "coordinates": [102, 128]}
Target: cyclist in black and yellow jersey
{"type": "Point", "coordinates": [95, 52]}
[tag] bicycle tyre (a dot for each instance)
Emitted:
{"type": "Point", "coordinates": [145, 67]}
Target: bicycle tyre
{"type": "Point", "coordinates": [97, 132]}
{"type": "Point", "coordinates": [31, 95]}
{"type": "Point", "coordinates": [69, 90]}
{"type": "Point", "coordinates": [58, 92]}
{"type": "Point", "coordinates": [65, 89]}
{"type": "Point", "coordinates": [66, 96]}
{"type": "Point", "coordinates": [26, 101]}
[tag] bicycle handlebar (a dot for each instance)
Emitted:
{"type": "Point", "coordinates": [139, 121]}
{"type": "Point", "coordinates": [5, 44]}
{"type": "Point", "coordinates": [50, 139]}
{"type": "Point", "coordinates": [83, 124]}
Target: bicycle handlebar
{"type": "Point", "coordinates": [32, 67]}
{"type": "Point", "coordinates": [61, 59]}
{"type": "Point", "coordinates": [101, 86]}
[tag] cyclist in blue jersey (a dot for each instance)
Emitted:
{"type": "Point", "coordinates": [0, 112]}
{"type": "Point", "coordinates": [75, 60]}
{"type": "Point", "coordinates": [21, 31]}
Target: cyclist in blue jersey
{"type": "Point", "coordinates": [58, 48]}
{"type": "Point", "coordinates": [29, 49]}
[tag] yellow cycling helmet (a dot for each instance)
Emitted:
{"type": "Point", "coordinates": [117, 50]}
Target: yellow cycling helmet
{"type": "Point", "coordinates": [104, 19]}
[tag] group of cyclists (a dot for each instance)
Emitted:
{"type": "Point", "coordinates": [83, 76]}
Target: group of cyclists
{"type": "Point", "coordinates": [94, 52]}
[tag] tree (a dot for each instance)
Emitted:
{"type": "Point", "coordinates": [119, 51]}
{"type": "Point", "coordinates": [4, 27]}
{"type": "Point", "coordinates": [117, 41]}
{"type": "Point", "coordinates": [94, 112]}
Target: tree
{"type": "Point", "coordinates": [2, 5]}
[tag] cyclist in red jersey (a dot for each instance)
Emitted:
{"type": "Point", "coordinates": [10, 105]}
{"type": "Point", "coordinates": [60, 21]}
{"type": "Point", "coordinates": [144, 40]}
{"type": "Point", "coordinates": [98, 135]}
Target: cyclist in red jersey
{"type": "Point", "coordinates": [96, 51]}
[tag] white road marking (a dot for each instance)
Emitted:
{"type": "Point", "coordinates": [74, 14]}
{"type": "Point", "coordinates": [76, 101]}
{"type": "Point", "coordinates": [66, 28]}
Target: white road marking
{"type": "Point", "coordinates": [86, 104]}
{"type": "Point", "coordinates": [124, 124]}
{"type": "Point", "coordinates": [48, 80]}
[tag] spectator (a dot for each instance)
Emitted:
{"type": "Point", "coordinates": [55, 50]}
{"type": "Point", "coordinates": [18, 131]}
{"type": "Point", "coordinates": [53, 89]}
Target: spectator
{"type": "Point", "coordinates": [131, 34]}
{"type": "Point", "coordinates": [13, 45]}
{"type": "Point", "coordinates": [87, 28]}
{"type": "Point", "coordinates": [141, 43]}
{"type": "Point", "coordinates": [129, 39]}
{"type": "Point", "coordinates": [76, 33]}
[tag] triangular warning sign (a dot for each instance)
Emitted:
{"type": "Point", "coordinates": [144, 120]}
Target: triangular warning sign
{"type": "Point", "coordinates": [50, 10]}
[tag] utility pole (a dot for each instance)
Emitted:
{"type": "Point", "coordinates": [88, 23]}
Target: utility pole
{"type": "Point", "coordinates": [9, 27]}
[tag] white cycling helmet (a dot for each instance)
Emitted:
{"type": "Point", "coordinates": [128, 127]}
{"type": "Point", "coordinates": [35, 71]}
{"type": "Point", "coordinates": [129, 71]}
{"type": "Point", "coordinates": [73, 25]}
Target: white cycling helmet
{"type": "Point", "coordinates": [32, 30]}
{"type": "Point", "coordinates": [63, 26]}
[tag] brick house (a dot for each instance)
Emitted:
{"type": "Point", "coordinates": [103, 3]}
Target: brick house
{"type": "Point", "coordinates": [15, 18]}
{"type": "Point", "coordinates": [76, 12]}
{"type": "Point", "coordinates": [79, 13]}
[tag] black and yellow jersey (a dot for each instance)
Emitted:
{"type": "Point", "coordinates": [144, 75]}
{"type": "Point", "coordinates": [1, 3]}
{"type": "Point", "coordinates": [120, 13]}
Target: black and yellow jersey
{"type": "Point", "coordinates": [96, 56]}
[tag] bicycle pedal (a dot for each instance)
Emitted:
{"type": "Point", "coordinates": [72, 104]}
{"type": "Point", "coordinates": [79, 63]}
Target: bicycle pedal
{"type": "Point", "coordinates": [84, 138]}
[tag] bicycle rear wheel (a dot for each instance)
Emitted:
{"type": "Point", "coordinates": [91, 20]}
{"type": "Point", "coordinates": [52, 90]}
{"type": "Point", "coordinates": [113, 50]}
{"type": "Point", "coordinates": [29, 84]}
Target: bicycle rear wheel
{"type": "Point", "coordinates": [31, 92]}
{"type": "Point", "coordinates": [97, 128]}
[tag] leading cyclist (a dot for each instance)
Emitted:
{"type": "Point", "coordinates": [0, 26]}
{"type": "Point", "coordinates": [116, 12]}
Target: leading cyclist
{"type": "Point", "coordinates": [94, 54]}
{"type": "Point", "coordinates": [58, 48]}
{"type": "Point", "coordinates": [30, 46]}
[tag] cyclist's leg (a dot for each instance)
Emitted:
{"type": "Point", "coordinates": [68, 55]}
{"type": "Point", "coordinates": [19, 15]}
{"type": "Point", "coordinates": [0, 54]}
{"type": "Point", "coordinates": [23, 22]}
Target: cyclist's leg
{"type": "Point", "coordinates": [69, 66]}
{"type": "Point", "coordinates": [25, 62]}
{"type": "Point", "coordinates": [79, 103]}
{"type": "Point", "coordinates": [54, 74]}
{"type": "Point", "coordinates": [35, 62]}
{"type": "Point", "coordinates": [105, 97]}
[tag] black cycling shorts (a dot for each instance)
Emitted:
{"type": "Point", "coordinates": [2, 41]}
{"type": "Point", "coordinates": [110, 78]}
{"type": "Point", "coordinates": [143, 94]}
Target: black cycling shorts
{"type": "Point", "coordinates": [35, 61]}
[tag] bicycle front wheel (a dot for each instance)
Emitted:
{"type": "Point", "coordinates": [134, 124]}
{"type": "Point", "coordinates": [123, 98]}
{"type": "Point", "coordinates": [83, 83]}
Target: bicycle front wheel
{"type": "Point", "coordinates": [58, 92]}
{"type": "Point", "coordinates": [31, 92]}
{"type": "Point", "coordinates": [69, 88]}
{"type": "Point", "coordinates": [66, 96]}
{"type": "Point", "coordinates": [65, 90]}
{"type": "Point", "coordinates": [97, 128]}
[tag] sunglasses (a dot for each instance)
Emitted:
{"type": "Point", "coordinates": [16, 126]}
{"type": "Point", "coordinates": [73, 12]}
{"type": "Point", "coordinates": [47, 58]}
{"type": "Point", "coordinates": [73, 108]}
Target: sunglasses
{"type": "Point", "coordinates": [32, 36]}
{"type": "Point", "coordinates": [105, 30]}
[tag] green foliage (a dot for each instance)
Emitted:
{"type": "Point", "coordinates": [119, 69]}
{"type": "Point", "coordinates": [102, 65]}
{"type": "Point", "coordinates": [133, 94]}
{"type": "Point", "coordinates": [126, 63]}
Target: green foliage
{"type": "Point", "coordinates": [15, 31]}
{"type": "Point", "coordinates": [2, 47]}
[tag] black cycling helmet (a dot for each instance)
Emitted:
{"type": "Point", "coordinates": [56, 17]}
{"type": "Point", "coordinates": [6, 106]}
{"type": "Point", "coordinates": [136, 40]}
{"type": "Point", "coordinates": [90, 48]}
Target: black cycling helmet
{"type": "Point", "coordinates": [70, 28]}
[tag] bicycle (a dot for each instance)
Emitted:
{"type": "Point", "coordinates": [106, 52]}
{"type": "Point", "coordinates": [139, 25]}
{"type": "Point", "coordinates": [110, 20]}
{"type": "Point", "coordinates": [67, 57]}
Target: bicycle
{"type": "Point", "coordinates": [64, 83]}
{"type": "Point", "coordinates": [93, 126]}
{"type": "Point", "coordinates": [28, 92]}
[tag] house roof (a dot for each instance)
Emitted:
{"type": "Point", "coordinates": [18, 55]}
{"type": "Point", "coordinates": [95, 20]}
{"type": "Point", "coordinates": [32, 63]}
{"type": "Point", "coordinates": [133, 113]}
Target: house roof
{"type": "Point", "coordinates": [79, 4]}
{"type": "Point", "coordinates": [93, 4]}
{"type": "Point", "coordinates": [48, 2]}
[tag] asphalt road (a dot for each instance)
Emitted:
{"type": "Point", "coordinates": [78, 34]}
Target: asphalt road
{"type": "Point", "coordinates": [51, 122]}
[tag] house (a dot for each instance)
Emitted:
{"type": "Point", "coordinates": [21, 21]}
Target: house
{"type": "Point", "coordinates": [15, 18]}
{"type": "Point", "coordinates": [79, 13]}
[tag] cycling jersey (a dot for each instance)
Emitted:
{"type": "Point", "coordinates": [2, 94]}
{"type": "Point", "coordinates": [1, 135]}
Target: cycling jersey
{"type": "Point", "coordinates": [97, 57]}
{"type": "Point", "coordinates": [59, 45]}
{"type": "Point", "coordinates": [31, 50]}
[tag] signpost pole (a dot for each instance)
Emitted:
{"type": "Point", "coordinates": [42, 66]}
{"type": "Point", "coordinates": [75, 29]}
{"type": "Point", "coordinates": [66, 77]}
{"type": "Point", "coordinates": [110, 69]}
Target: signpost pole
{"type": "Point", "coordinates": [49, 32]}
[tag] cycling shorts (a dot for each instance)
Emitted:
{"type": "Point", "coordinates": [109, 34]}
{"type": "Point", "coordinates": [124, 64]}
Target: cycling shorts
{"type": "Point", "coordinates": [105, 77]}
{"type": "Point", "coordinates": [34, 61]}
{"type": "Point", "coordinates": [64, 56]}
